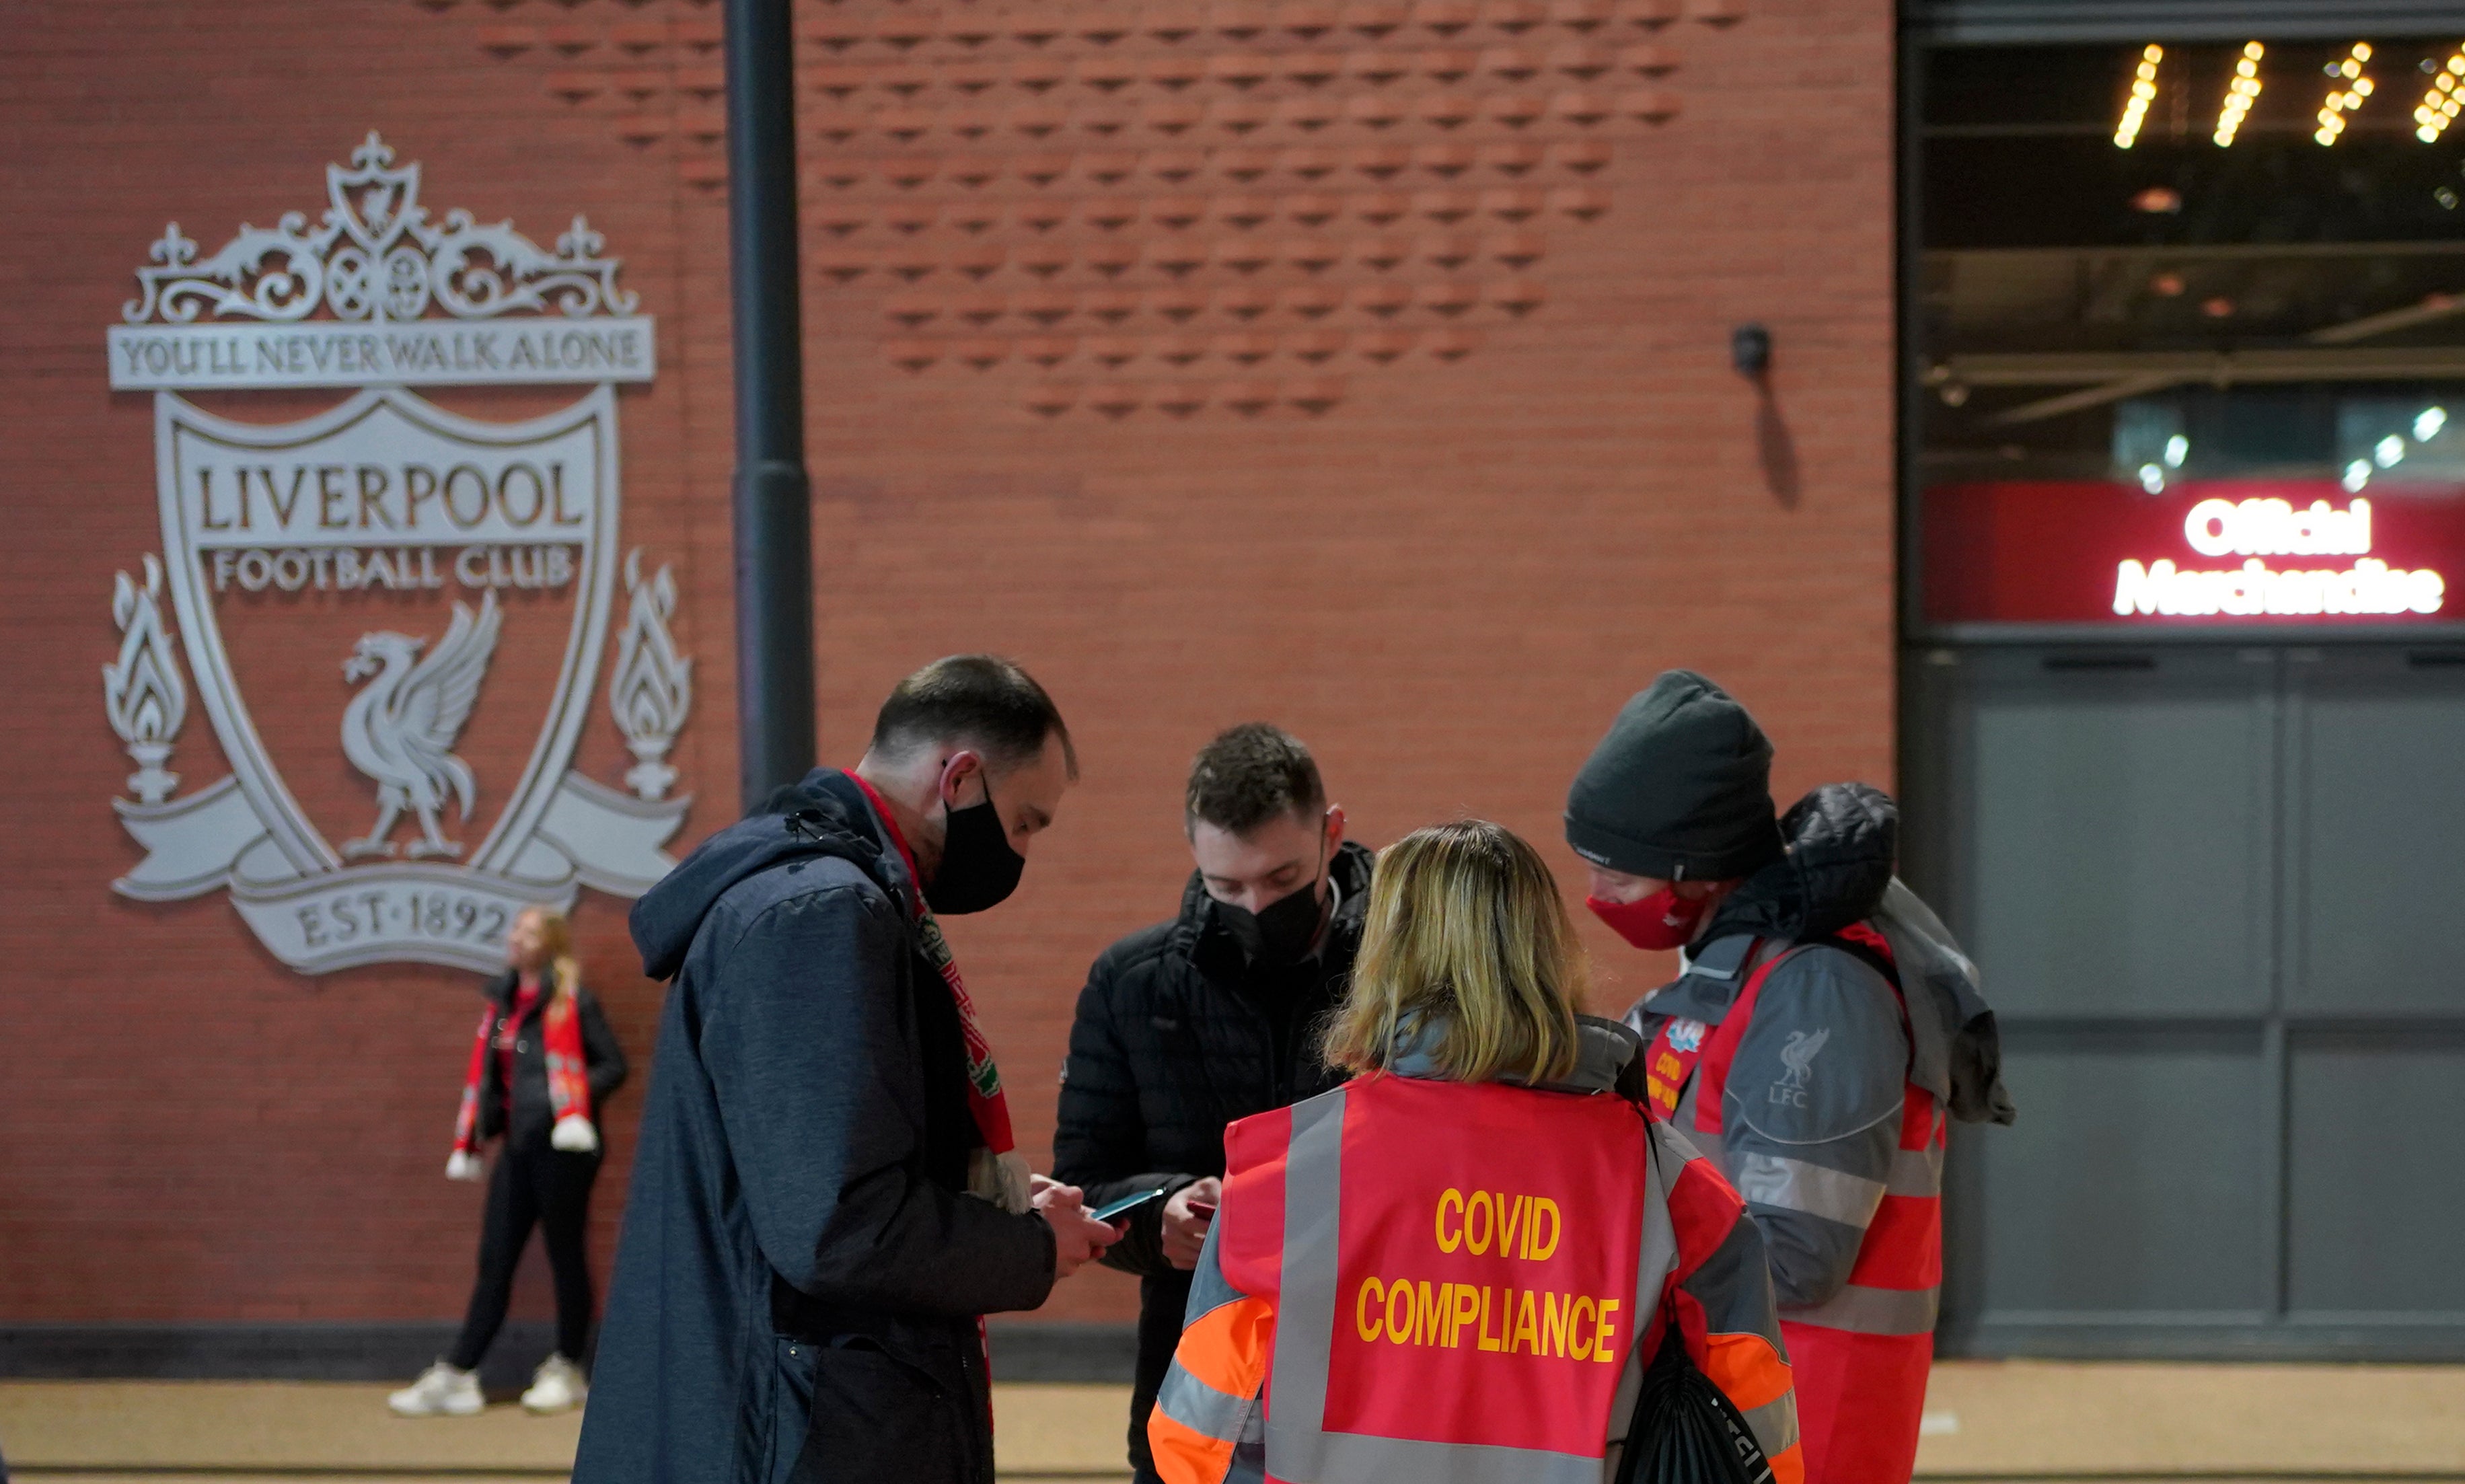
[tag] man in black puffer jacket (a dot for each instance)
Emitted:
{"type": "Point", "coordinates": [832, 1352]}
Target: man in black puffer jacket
{"type": "Point", "coordinates": [1210, 1017]}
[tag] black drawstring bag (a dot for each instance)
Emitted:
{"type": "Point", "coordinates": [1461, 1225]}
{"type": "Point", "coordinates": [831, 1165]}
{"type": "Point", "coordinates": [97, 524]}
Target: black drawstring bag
{"type": "Point", "coordinates": [1684, 1431]}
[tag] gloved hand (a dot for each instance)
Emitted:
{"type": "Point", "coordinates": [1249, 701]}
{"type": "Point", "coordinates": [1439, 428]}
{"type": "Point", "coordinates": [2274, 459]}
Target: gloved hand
{"type": "Point", "coordinates": [462, 1164]}
{"type": "Point", "coordinates": [574, 1135]}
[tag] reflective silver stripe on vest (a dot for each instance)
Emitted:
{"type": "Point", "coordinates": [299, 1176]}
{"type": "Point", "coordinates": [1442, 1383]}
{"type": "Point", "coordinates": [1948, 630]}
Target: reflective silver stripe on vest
{"type": "Point", "coordinates": [1658, 1258]}
{"type": "Point", "coordinates": [1298, 1447]}
{"type": "Point", "coordinates": [1916, 1172]}
{"type": "Point", "coordinates": [1774, 1424]}
{"type": "Point", "coordinates": [1652, 1266]}
{"type": "Point", "coordinates": [1201, 1408]}
{"type": "Point", "coordinates": [1796, 1186]}
{"type": "Point", "coordinates": [1873, 1311]}
{"type": "Point", "coordinates": [1711, 1147]}
{"type": "Point", "coordinates": [1351, 1458]}
{"type": "Point", "coordinates": [1305, 1307]}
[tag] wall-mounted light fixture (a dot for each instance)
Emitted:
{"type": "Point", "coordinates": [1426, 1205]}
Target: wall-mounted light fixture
{"type": "Point", "coordinates": [1751, 350]}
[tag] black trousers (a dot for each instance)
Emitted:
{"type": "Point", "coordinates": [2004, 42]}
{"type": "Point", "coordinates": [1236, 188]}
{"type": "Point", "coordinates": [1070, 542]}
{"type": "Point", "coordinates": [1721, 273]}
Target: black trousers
{"type": "Point", "coordinates": [540, 1188]}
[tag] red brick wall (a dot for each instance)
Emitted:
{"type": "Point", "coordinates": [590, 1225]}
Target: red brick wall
{"type": "Point", "coordinates": [1361, 367]}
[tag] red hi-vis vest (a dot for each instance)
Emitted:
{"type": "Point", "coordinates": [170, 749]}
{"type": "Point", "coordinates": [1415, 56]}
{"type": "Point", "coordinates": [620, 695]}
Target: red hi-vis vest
{"type": "Point", "coordinates": [1447, 1281]}
{"type": "Point", "coordinates": [1861, 1357]}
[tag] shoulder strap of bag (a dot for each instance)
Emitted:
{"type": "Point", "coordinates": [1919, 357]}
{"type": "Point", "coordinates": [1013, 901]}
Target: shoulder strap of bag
{"type": "Point", "coordinates": [1671, 1387]}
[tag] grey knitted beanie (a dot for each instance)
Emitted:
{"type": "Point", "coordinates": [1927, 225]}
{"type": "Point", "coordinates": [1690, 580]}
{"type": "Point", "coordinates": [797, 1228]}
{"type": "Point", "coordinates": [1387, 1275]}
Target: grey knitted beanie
{"type": "Point", "coordinates": [1679, 789]}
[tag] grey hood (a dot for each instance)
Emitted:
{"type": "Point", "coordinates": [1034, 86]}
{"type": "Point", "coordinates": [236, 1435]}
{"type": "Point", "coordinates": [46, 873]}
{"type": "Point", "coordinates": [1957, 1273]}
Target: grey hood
{"type": "Point", "coordinates": [1843, 841]}
{"type": "Point", "coordinates": [825, 814]}
{"type": "Point", "coordinates": [1956, 1051]}
{"type": "Point", "coordinates": [1843, 849]}
{"type": "Point", "coordinates": [1604, 1052]}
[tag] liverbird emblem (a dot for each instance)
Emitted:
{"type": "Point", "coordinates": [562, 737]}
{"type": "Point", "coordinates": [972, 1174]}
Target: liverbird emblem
{"type": "Point", "coordinates": [400, 729]}
{"type": "Point", "coordinates": [1798, 1052]}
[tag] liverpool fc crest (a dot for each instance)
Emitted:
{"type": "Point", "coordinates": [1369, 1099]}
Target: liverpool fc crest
{"type": "Point", "coordinates": [426, 588]}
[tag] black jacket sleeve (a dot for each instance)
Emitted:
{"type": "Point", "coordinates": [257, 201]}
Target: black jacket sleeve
{"type": "Point", "coordinates": [813, 1057]}
{"type": "Point", "coordinates": [601, 1054]}
{"type": "Point", "coordinates": [1100, 1143]}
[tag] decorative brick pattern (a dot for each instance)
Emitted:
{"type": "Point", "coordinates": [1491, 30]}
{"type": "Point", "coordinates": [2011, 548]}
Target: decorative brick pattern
{"type": "Point", "coordinates": [1167, 207]}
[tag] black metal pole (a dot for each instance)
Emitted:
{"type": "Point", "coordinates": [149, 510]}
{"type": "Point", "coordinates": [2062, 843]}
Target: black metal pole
{"type": "Point", "coordinates": [774, 558]}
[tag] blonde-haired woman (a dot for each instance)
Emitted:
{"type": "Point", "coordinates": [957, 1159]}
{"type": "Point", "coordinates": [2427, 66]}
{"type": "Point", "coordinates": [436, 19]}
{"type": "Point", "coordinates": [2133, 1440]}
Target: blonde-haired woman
{"type": "Point", "coordinates": [1458, 1265]}
{"type": "Point", "coordinates": [543, 1066]}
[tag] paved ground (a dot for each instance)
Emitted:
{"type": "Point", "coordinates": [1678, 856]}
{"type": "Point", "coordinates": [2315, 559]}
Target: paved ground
{"type": "Point", "coordinates": [2036, 1422]}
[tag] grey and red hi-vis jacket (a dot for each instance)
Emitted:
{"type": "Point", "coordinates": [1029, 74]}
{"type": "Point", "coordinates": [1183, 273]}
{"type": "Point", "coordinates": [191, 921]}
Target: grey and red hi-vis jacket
{"type": "Point", "coordinates": [1418, 1278]}
{"type": "Point", "coordinates": [1825, 1031]}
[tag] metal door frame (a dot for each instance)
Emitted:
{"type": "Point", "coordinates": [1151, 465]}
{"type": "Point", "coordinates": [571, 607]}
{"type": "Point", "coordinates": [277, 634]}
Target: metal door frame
{"type": "Point", "coordinates": [1938, 752]}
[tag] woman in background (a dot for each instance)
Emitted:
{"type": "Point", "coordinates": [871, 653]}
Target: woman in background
{"type": "Point", "coordinates": [543, 1066]}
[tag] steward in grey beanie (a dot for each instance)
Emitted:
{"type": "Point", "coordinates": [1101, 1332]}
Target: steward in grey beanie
{"type": "Point", "coordinates": [1679, 789]}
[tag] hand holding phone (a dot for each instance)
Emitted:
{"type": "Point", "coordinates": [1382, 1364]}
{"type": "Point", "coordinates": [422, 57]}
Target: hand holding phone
{"type": "Point", "coordinates": [1185, 1218]}
{"type": "Point", "coordinates": [1079, 1237]}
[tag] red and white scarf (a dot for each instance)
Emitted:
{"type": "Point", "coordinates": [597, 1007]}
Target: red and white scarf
{"type": "Point", "coordinates": [997, 1172]}
{"type": "Point", "coordinates": [568, 1075]}
{"type": "Point", "coordinates": [1000, 1174]}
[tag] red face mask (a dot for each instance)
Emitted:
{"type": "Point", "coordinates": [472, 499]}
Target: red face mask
{"type": "Point", "coordinates": [1660, 920]}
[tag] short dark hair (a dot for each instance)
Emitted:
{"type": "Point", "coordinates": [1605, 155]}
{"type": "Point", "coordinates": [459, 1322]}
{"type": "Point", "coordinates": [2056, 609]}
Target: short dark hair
{"type": "Point", "coordinates": [983, 701]}
{"type": "Point", "coordinates": [1250, 774]}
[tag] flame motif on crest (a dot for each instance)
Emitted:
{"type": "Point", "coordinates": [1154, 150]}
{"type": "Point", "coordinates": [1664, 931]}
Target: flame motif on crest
{"type": "Point", "coordinates": [653, 688]}
{"type": "Point", "coordinates": [142, 695]}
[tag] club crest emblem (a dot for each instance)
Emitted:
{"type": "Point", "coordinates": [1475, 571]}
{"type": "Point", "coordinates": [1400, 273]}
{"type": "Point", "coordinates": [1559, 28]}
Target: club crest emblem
{"type": "Point", "coordinates": [377, 604]}
{"type": "Point", "coordinates": [1797, 1055]}
{"type": "Point", "coordinates": [1686, 1035]}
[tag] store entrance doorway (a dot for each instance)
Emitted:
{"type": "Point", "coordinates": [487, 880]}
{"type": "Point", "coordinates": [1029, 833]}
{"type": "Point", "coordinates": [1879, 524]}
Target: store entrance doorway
{"type": "Point", "coordinates": [2218, 895]}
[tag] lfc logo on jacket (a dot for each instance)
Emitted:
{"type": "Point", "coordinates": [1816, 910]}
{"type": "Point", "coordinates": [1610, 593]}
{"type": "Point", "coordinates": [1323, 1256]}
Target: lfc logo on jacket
{"type": "Point", "coordinates": [430, 590]}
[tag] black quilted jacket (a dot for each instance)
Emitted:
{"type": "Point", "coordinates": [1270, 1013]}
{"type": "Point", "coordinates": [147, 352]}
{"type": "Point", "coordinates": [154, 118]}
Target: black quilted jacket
{"type": "Point", "coordinates": [1177, 1037]}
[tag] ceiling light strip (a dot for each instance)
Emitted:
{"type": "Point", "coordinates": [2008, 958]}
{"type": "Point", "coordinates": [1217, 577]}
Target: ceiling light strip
{"type": "Point", "coordinates": [2352, 87]}
{"type": "Point", "coordinates": [2144, 90]}
{"type": "Point", "coordinates": [2240, 94]}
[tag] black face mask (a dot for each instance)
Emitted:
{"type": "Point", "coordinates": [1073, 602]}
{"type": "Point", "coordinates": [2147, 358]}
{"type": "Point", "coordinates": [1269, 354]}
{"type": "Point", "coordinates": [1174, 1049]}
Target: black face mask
{"type": "Point", "coordinates": [1278, 934]}
{"type": "Point", "coordinates": [979, 868]}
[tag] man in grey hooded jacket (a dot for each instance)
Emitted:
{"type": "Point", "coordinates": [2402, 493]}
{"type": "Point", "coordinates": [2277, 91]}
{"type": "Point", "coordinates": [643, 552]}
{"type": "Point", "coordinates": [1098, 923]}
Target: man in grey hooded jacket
{"type": "Point", "coordinates": [1822, 1028]}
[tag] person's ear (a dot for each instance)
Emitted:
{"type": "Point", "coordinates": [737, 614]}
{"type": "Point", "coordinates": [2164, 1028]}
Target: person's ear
{"type": "Point", "coordinates": [1334, 830]}
{"type": "Point", "coordinates": [956, 770]}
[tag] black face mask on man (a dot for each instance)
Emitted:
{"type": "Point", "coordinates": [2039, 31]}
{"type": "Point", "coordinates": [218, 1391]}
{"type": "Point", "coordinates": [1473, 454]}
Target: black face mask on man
{"type": "Point", "coordinates": [1278, 934]}
{"type": "Point", "coordinates": [979, 866]}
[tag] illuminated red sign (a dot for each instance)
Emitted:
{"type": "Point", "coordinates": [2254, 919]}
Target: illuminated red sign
{"type": "Point", "coordinates": [2234, 551]}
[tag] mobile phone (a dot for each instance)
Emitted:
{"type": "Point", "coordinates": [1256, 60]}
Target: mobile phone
{"type": "Point", "coordinates": [1126, 1205]}
{"type": "Point", "coordinates": [1203, 1210]}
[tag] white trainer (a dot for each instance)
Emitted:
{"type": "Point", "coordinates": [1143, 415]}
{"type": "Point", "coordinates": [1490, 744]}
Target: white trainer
{"type": "Point", "coordinates": [556, 1387]}
{"type": "Point", "coordinates": [441, 1391]}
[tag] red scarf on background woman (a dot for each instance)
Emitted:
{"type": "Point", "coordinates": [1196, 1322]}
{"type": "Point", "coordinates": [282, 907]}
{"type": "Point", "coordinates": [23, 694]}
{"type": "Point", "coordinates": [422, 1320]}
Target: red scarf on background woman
{"type": "Point", "coordinates": [569, 1076]}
